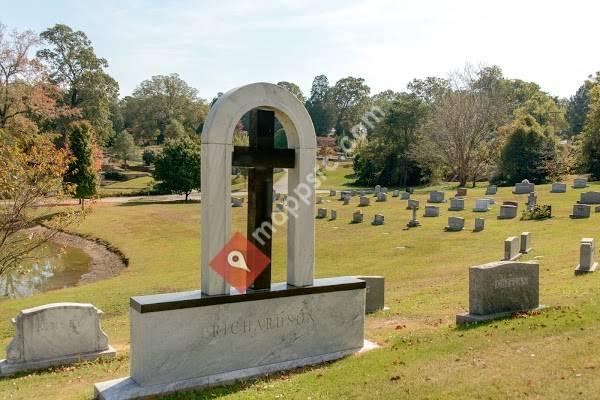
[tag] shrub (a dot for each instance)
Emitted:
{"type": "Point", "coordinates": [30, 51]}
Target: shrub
{"type": "Point", "coordinates": [539, 212]}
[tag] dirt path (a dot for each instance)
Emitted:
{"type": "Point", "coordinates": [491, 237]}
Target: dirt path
{"type": "Point", "coordinates": [104, 263]}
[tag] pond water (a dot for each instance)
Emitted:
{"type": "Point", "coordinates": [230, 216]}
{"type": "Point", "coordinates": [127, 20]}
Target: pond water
{"type": "Point", "coordinates": [54, 267]}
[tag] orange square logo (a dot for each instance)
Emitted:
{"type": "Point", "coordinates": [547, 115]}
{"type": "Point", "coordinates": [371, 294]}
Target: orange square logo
{"type": "Point", "coordinates": [239, 262]}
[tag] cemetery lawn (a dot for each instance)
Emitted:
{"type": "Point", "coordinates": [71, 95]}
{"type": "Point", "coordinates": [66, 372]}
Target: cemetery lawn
{"type": "Point", "coordinates": [126, 188]}
{"type": "Point", "coordinates": [423, 355]}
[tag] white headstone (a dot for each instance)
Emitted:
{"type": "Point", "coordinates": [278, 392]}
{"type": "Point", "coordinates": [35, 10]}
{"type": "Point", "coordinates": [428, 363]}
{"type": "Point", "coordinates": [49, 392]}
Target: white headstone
{"type": "Point", "coordinates": [55, 334]}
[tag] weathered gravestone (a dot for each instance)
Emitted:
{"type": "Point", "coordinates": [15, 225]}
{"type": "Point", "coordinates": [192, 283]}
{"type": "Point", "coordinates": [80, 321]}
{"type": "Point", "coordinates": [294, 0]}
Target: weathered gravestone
{"type": "Point", "coordinates": [377, 189]}
{"type": "Point", "coordinates": [524, 187]}
{"type": "Point", "coordinates": [396, 193]}
{"type": "Point", "coordinates": [436, 196]}
{"type": "Point", "coordinates": [491, 190]}
{"type": "Point", "coordinates": [413, 222]}
{"type": "Point", "coordinates": [237, 201]}
{"type": "Point", "coordinates": [432, 211]}
{"type": "Point", "coordinates": [580, 183]}
{"type": "Point", "coordinates": [412, 204]}
{"type": "Point", "coordinates": [321, 213]}
{"type": "Point", "coordinates": [404, 195]}
{"type": "Point", "coordinates": [357, 217]}
{"type": "Point", "coordinates": [363, 201]}
{"type": "Point", "coordinates": [581, 211]}
{"type": "Point", "coordinates": [455, 224]}
{"type": "Point", "coordinates": [479, 224]}
{"type": "Point", "coordinates": [589, 198]}
{"type": "Point", "coordinates": [558, 187]}
{"type": "Point", "coordinates": [587, 257]}
{"type": "Point", "coordinates": [482, 205]}
{"type": "Point", "coordinates": [216, 335]}
{"type": "Point", "coordinates": [375, 298]}
{"type": "Point", "coordinates": [461, 192]}
{"type": "Point", "coordinates": [346, 201]}
{"type": "Point", "coordinates": [381, 196]}
{"type": "Point", "coordinates": [378, 219]}
{"type": "Point", "coordinates": [511, 248]}
{"type": "Point", "coordinates": [531, 200]}
{"type": "Point", "coordinates": [525, 243]}
{"type": "Point", "coordinates": [332, 193]}
{"type": "Point", "coordinates": [457, 204]}
{"type": "Point", "coordinates": [507, 211]}
{"type": "Point", "coordinates": [345, 195]}
{"type": "Point", "coordinates": [55, 334]}
{"type": "Point", "coordinates": [333, 215]}
{"type": "Point", "coordinates": [319, 200]}
{"type": "Point", "coordinates": [499, 289]}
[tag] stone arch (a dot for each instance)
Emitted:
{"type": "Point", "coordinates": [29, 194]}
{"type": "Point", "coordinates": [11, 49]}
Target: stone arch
{"type": "Point", "coordinates": [217, 148]}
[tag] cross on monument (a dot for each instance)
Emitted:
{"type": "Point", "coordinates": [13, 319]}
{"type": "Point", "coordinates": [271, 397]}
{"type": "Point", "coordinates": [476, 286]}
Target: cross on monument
{"type": "Point", "coordinates": [261, 157]}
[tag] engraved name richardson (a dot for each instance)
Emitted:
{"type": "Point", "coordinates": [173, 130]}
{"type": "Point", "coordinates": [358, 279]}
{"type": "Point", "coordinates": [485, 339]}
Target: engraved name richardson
{"type": "Point", "coordinates": [507, 283]}
{"type": "Point", "coordinates": [258, 325]}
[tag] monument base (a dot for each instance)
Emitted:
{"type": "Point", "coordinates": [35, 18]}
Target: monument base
{"type": "Point", "coordinates": [189, 340]}
{"type": "Point", "coordinates": [127, 388]}
{"type": "Point", "coordinates": [581, 271]}
{"type": "Point", "coordinates": [467, 318]}
{"type": "Point", "coordinates": [8, 369]}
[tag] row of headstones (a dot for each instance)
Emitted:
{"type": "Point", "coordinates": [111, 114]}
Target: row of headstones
{"type": "Point", "coordinates": [457, 203]}
{"type": "Point", "coordinates": [454, 223]}
{"type": "Point", "coordinates": [502, 288]}
{"type": "Point", "coordinates": [583, 208]}
{"type": "Point", "coordinates": [526, 187]}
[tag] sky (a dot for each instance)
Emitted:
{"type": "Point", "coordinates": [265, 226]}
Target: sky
{"type": "Point", "coordinates": [218, 45]}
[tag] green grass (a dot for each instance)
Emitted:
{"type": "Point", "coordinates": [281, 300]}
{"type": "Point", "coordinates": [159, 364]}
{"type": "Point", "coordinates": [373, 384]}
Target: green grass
{"type": "Point", "coordinates": [423, 355]}
{"type": "Point", "coordinates": [338, 176]}
{"type": "Point", "coordinates": [132, 186]}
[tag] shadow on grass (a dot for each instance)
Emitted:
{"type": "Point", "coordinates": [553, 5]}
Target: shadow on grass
{"type": "Point", "coordinates": [514, 315]}
{"type": "Point", "coordinates": [151, 202]}
{"type": "Point", "coordinates": [220, 391]}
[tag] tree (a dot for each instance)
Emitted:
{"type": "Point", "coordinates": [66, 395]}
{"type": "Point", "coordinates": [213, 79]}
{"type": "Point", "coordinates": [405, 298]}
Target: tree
{"type": "Point", "coordinates": [429, 89]}
{"type": "Point", "coordinates": [148, 157]}
{"type": "Point", "coordinates": [81, 171]}
{"type": "Point", "coordinates": [27, 99]}
{"type": "Point", "coordinates": [590, 138]}
{"type": "Point", "coordinates": [157, 102]}
{"type": "Point", "coordinates": [280, 140]}
{"type": "Point", "coordinates": [178, 167]}
{"type": "Point", "coordinates": [526, 152]}
{"type": "Point", "coordinates": [320, 106]}
{"type": "Point", "coordinates": [74, 66]}
{"type": "Point", "coordinates": [175, 130]}
{"type": "Point", "coordinates": [31, 170]}
{"type": "Point", "coordinates": [462, 133]}
{"type": "Point", "coordinates": [579, 105]}
{"type": "Point", "coordinates": [294, 89]}
{"type": "Point", "coordinates": [387, 159]}
{"type": "Point", "coordinates": [350, 97]}
{"type": "Point", "coordinates": [124, 148]}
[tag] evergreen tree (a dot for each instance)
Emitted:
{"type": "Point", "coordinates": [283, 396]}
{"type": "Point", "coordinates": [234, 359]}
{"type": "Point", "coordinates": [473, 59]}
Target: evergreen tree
{"type": "Point", "coordinates": [590, 140]}
{"type": "Point", "coordinates": [526, 152]}
{"type": "Point", "coordinates": [178, 167]}
{"type": "Point", "coordinates": [81, 171]}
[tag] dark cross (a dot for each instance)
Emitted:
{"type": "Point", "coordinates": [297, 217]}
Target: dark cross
{"type": "Point", "coordinates": [261, 157]}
